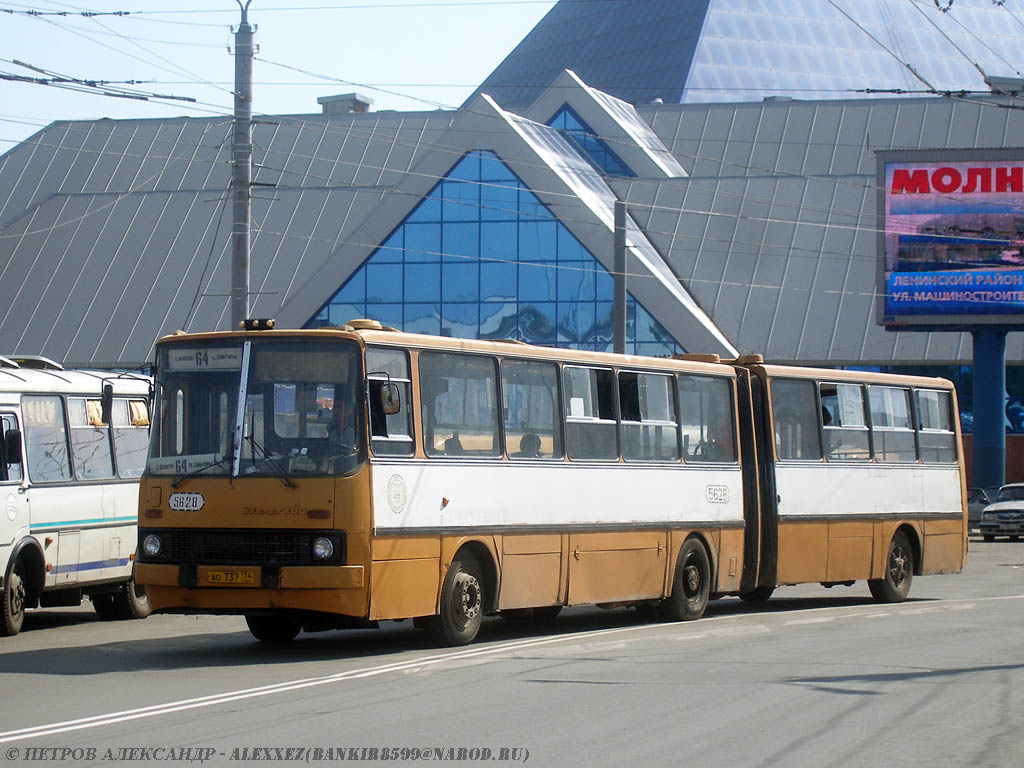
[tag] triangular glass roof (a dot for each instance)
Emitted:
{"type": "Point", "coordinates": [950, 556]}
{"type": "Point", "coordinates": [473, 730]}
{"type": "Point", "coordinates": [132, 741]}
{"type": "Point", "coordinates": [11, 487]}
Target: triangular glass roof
{"type": "Point", "coordinates": [481, 257]}
{"type": "Point", "coordinates": [586, 140]}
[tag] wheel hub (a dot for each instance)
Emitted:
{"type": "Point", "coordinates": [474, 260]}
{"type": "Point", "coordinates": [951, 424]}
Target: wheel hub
{"type": "Point", "coordinates": [469, 597]}
{"type": "Point", "coordinates": [691, 580]}
{"type": "Point", "coordinates": [898, 565]}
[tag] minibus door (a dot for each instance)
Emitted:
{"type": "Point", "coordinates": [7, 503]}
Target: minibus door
{"type": "Point", "coordinates": [14, 520]}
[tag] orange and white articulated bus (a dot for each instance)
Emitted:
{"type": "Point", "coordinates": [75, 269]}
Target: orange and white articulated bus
{"type": "Point", "coordinates": [331, 478]}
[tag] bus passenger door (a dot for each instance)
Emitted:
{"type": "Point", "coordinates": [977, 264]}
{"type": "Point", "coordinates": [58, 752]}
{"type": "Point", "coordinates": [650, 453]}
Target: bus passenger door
{"type": "Point", "coordinates": [760, 513]}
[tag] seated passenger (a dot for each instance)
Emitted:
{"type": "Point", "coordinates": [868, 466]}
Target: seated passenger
{"type": "Point", "coordinates": [453, 446]}
{"type": "Point", "coordinates": [529, 446]}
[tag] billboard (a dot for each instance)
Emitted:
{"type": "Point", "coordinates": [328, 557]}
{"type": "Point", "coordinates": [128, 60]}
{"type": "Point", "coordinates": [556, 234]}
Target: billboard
{"type": "Point", "coordinates": [951, 239]}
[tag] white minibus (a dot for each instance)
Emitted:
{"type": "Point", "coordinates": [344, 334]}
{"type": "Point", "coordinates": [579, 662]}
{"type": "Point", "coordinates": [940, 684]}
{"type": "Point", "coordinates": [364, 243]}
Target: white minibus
{"type": "Point", "coordinates": [73, 447]}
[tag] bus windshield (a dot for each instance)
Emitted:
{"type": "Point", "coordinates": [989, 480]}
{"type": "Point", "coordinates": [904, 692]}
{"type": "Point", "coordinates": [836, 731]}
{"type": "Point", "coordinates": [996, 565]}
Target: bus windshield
{"type": "Point", "coordinates": [302, 411]}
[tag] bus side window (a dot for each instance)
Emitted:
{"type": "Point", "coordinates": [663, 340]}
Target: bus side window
{"type": "Point", "coordinates": [795, 412]}
{"type": "Point", "coordinates": [131, 436]}
{"type": "Point", "coordinates": [845, 427]}
{"type": "Point", "coordinates": [649, 428]}
{"type": "Point", "coordinates": [390, 434]}
{"type": "Point", "coordinates": [706, 418]}
{"type": "Point", "coordinates": [891, 426]}
{"type": "Point", "coordinates": [937, 439]}
{"type": "Point", "coordinates": [10, 449]}
{"type": "Point", "coordinates": [590, 425]}
{"type": "Point", "coordinates": [46, 439]}
{"type": "Point", "coordinates": [530, 403]}
{"type": "Point", "coordinates": [459, 404]}
{"type": "Point", "coordinates": [90, 440]}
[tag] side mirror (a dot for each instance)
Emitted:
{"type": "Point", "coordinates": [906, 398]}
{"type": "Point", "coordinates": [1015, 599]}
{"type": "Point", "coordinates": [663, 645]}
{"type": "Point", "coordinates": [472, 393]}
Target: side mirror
{"type": "Point", "coordinates": [390, 399]}
{"type": "Point", "coordinates": [12, 446]}
{"type": "Point", "coordinates": [107, 403]}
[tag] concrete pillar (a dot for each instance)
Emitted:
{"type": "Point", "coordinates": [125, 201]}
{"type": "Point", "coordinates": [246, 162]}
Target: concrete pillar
{"type": "Point", "coordinates": [989, 408]}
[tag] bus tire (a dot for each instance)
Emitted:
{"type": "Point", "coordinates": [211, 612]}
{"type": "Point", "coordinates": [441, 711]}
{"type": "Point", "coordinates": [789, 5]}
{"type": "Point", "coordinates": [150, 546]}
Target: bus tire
{"type": "Point", "coordinates": [759, 595]}
{"type": "Point", "coordinates": [899, 572]}
{"type": "Point", "coordinates": [131, 602]}
{"type": "Point", "coordinates": [462, 603]}
{"type": "Point", "coordinates": [104, 606]}
{"type": "Point", "coordinates": [12, 611]}
{"type": "Point", "coordinates": [691, 586]}
{"type": "Point", "coordinates": [273, 628]}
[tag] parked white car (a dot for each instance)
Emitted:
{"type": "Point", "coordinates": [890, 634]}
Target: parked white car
{"type": "Point", "coordinates": [1005, 517]}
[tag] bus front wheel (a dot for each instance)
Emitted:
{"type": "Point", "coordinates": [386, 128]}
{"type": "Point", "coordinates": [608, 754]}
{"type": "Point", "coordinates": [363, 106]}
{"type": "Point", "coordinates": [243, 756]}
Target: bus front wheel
{"type": "Point", "coordinates": [899, 572]}
{"type": "Point", "coordinates": [131, 602]}
{"type": "Point", "coordinates": [12, 612]}
{"type": "Point", "coordinates": [273, 629]}
{"type": "Point", "coordinates": [462, 603]}
{"type": "Point", "coordinates": [691, 586]}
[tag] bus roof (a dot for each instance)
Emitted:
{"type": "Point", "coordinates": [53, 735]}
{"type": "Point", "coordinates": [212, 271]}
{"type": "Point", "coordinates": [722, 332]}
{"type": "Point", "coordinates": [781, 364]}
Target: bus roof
{"type": "Point", "coordinates": [868, 377]}
{"type": "Point", "coordinates": [504, 347]}
{"type": "Point", "coordinates": [15, 379]}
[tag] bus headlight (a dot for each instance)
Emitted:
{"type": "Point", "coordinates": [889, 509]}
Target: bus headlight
{"type": "Point", "coordinates": [323, 548]}
{"type": "Point", "coordinates": [988, 516]}
{"type": "Point", "coordinates": [152, 545]}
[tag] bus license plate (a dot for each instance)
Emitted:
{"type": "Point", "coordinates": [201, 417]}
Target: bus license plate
{"type": "Point", "coordinates": [236, 577]}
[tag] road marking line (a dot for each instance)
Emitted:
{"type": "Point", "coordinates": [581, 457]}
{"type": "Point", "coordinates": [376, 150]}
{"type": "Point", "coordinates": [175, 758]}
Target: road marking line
{"type": "Point", "coordinates": [822, 620]}
{"type": "Point", "coordinates": [113, 718]}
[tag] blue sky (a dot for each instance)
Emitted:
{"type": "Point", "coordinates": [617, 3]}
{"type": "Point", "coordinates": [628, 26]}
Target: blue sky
{"type": "Point", "coordinates": [417, 54]}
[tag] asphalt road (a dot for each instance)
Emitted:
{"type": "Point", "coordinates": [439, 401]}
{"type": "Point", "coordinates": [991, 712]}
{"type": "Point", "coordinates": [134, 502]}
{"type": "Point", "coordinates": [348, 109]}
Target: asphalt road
{"type": "Point", "coordinates": [814, 677]}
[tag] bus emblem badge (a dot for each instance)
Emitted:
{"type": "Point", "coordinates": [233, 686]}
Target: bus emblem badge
{"type": "Point", "coordinates": [12, 507]}
{"type": "Point", "coordinates": [396, 494]}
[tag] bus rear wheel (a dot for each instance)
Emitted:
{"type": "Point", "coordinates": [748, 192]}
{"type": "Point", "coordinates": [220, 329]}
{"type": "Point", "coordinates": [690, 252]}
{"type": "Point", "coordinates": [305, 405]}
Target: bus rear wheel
{"type": "Point", "coordinates": [462, 603]}
{"type": "Point", "coordinates": [691, 586]}
{"type": "Point", "coordinates": [273, 629]}
{"type": "Point", "coordinates": [899, 572]}
{"type": "Point", "coordinates": [12, 612]}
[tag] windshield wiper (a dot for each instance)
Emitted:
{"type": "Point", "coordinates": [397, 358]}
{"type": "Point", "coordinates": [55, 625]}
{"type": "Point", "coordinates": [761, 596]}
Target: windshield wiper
{"type": "Point", "coordinates": [281, 473]}
{"type": "Point", "coordinates": [199, 471]}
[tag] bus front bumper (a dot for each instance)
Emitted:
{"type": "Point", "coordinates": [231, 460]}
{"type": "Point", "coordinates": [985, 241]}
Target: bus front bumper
{"type": "Point", "coordinates": [331, 589]}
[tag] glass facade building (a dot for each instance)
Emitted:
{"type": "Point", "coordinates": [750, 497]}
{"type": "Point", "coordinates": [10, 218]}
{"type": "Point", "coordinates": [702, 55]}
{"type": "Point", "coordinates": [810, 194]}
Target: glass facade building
{"type": "Point", "coordinates": [481, 257]}
{"type": "Point", "coordinates": [694, 51]}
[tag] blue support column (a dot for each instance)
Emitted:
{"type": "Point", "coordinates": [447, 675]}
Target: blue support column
{"type": "Point", "coordinates": [989, 408]}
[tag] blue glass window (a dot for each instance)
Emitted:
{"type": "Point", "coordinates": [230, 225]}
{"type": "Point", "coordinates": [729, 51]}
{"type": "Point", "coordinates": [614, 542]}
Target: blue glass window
{"type": "Point", "coordinates": [481, 257]}
{"type": "Point", "coordinates": [571, 125]}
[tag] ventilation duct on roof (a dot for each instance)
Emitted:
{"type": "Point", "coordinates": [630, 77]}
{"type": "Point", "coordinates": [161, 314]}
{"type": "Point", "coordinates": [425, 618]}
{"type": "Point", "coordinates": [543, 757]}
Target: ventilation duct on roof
{"type": "Point", "coordinates": [345, 103]}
